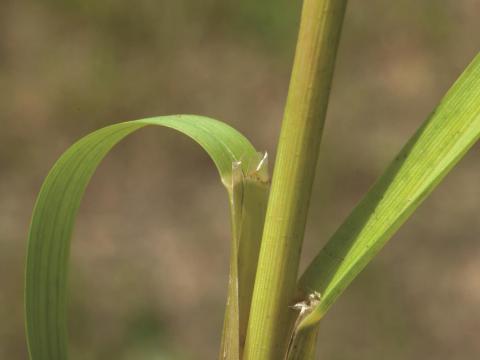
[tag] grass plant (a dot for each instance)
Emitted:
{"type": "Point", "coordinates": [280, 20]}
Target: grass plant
{"type": "Point", "coordinates": [271, 312]}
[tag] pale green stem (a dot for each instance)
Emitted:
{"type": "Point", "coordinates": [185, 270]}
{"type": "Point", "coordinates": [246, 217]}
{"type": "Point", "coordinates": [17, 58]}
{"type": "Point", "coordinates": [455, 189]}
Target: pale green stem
{"type": "Point", "coordinates": [271, 317]}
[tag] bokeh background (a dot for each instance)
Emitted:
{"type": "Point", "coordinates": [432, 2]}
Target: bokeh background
{"type": "Point", "coordinates": [149, 256]}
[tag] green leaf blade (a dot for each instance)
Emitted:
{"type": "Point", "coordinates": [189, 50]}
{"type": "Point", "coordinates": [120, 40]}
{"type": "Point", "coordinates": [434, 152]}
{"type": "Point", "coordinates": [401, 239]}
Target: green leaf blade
{"type": "Point", "coordinates": [436, 147]}
{"type": "Point", "coordinates": [57, 204]}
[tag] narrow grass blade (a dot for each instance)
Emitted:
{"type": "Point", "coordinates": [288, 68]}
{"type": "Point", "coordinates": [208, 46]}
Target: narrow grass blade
{"type": "Point", "coordinates": [58, 201]}
{"type": "Point", "coordinates": [452, 128]}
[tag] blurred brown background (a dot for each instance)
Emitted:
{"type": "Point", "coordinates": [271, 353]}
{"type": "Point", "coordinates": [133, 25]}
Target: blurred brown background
{"type": "Point", "coordinates": [149, 256]}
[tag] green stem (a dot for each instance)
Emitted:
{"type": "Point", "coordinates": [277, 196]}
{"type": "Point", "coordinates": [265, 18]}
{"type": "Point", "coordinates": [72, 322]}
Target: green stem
{"type": "Point", "coordinates": [303, 346]}
{"type": "Point", "coordinates": [270, 317]}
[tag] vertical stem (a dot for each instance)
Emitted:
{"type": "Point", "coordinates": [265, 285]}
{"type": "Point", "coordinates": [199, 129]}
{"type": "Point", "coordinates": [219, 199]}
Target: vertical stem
{"type": "Point", "coordinates": [270, 316]}
{"type": "Point", "coordinates": [304, 346]}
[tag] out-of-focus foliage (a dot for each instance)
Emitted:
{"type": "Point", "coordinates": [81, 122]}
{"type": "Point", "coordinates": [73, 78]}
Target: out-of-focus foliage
{"type": "Point", "coordinates": [69, 67]}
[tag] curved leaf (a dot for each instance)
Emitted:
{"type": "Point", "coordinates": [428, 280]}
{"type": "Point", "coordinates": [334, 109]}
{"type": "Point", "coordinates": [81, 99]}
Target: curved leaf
{"type": "Point", "coordinates": [59, 198]}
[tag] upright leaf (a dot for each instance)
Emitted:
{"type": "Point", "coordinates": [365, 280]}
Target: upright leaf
{"type": "Point", "coordinates": [452, 128]}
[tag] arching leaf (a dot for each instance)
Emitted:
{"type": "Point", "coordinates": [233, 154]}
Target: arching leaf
{"type": "Point", "coordinates": [58, 201]}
